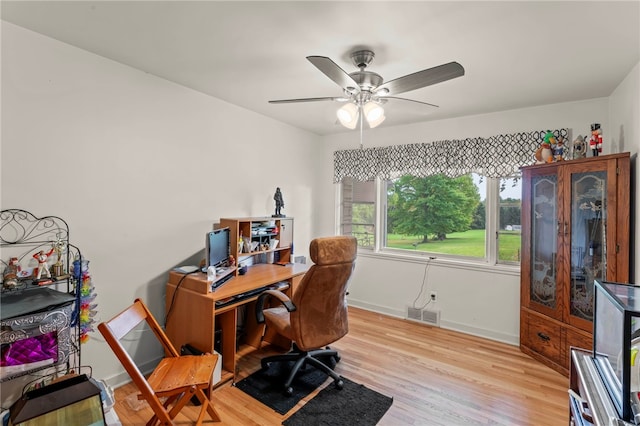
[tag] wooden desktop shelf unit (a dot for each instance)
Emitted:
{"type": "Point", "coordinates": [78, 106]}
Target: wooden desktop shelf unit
{"type": "Point", "coordinates": [260, 230]}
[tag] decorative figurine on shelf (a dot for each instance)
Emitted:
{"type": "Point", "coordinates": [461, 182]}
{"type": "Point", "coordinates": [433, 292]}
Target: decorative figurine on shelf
{"type": "Point", "coordinates": [13, 267]}
{"type": "Point", "coordinates": [579, 148]}
{"type": "Point", "coordinates": [279, 203]}
{"type": "Point", "coordinates": [544, 153]}
{"type": "Point", "coordinates": [58, 267]}
{"type": "Point", "coordinates": [558, 149]}
{"type": "Point", "coordinates": [10, 274]}
{"type": "Point", "coordinates": [240, 242]}
{"type": "Point", "coordinates": [595, 141]}
{"type": "Point", "coordinates": [43, 267]}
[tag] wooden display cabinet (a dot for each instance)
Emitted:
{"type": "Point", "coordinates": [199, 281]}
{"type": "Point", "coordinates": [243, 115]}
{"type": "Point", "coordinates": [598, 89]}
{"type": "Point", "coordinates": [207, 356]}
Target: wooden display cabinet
{"type": "Point", "coordinates": [575, 228]}
{"type": "Point", "coordinates": [261, 239]}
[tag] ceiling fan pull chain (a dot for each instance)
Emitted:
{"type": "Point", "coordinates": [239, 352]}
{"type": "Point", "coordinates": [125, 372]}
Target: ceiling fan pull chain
{"type": "Point", "coordinates": [361, 120]}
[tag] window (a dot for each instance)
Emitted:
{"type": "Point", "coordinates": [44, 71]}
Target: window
{"type": "Point", "coordinates": [438, 215]}
{"type": "Point", "coordinates": [509, 229]}
{"type": "Point", "coordinates": [451, 212]}
{"type": "Point", "coordinates": [358, 211]}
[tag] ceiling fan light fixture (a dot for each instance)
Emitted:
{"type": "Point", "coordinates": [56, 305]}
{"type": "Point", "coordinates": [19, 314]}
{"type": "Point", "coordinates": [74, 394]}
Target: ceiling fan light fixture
{"type": "Point", "coordinates": [376, 123]}
{"type": "Point", "coordinates": [348, 115]}
{"type": "Point", "coordinates": [374, 113]}
{"type": "Point", "coordinates": [365, 92]}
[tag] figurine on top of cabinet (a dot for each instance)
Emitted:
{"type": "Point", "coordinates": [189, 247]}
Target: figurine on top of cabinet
{"type": "Point", "coordinates": [559, 149]}
{"type": "Point", "coordinates": [579, 148]}
{"type": "Point", "coordinates": [595, 141]}
{"type": "Point", "coordinates": [277, 197]}
{"type": "Point", "coordinates": [544, 154]}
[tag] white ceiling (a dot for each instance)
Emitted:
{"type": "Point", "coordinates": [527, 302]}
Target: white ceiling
{"type": "Point", "coordinates": [515, 54]}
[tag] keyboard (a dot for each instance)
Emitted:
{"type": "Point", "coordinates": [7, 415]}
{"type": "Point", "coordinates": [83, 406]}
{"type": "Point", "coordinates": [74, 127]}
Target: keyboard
{"type": "Point", "coordinates": [249, 294]}
{"type": "Point", "coordinates": [240, 297]}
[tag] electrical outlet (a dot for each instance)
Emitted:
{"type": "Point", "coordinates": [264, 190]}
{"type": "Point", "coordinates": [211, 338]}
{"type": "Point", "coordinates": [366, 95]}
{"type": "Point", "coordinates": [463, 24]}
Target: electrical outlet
{"type": "Point", "coordinates": [434, 296]}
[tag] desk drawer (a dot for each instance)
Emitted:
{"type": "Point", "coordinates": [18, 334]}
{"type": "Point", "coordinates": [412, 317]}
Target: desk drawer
{"type": "Point", "coordinates": [543, 337]}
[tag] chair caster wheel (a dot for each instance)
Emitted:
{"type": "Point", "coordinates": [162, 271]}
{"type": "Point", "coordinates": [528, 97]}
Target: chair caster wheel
{"type": "Point", "coordinates": [288, 391]}
{"type": "Point", "coordinates": [337, 358]}
{"type": "Point", "coordinates": [264, 365]}
{"type": "Point", "coordinates": [339, 384]}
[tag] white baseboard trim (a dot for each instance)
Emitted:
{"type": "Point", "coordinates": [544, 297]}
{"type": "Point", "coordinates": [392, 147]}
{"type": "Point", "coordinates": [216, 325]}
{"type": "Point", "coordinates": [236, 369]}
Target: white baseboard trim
{"type": "Point", "coordinates": [449, 325]}
{"type": "Point", "coordinates": [123, 378]}
{"type": "Point", "coordinates": [481, 332]}
{"type": "Point", "coordinates": [377, 308]}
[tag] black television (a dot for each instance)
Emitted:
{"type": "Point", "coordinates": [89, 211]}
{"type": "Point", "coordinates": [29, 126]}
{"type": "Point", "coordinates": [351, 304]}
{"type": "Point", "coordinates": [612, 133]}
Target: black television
{"type": "Point", "coordinates": [217, 247]}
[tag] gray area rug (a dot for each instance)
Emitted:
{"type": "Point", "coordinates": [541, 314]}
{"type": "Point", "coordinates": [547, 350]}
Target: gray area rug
{"type": "Point", "coordinates": [267, 386]}
{"type": "Point", "coordinates": [354, 405]}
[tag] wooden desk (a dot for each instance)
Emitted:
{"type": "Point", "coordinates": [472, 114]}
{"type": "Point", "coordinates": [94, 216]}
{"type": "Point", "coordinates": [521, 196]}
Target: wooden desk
{"type": "Point", "coordinates": [192, 315]}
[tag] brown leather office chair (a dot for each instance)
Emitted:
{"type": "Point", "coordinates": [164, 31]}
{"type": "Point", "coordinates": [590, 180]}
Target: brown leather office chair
{"type": "Point", "coordinates": [316, 315]}
{"type": "Point", "coordinates": [178, 378]}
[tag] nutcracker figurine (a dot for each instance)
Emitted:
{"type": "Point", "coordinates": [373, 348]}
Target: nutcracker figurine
{"type": "Point", "coordinates": [595, 141]}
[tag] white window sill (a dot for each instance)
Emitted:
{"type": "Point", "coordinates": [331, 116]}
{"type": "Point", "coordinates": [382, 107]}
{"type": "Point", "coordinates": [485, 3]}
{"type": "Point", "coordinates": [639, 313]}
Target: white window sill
{"type": "Point", "coordinates": [442, 261]}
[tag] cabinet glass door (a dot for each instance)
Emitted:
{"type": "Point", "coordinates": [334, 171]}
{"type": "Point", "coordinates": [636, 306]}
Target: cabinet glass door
{"type": "Point", "coordinates": [544, 242]}
{"type": "Point", "coordinates": [588, 239]}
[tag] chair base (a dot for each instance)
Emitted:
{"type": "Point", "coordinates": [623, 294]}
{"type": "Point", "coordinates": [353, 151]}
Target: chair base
{"type": "Point", "coordinates": [303, 358]}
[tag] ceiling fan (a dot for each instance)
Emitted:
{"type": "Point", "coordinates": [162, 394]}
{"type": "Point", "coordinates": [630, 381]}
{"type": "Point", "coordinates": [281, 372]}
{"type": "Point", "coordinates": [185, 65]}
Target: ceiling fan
{"type": "Point", "coordinates": [365, 91]}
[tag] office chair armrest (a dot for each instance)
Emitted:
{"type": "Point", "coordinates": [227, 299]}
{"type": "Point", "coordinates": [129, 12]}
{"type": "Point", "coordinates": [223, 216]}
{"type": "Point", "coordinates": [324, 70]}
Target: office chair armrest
{"type": "Point", "coordinates": [282, 298]}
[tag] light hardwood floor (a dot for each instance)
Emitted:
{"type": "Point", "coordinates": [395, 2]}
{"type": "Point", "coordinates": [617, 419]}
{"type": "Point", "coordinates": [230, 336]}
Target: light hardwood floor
{"type": "Point", "coordinates": [435, 376]}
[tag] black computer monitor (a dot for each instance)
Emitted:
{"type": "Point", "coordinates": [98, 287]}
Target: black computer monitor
{"type": "Point", "coordinates": [217, 247]}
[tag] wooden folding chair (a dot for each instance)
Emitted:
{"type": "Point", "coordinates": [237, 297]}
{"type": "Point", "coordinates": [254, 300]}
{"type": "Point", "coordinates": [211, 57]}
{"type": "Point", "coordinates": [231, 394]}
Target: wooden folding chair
{"type": "Point", "coordinates": [176, 378]}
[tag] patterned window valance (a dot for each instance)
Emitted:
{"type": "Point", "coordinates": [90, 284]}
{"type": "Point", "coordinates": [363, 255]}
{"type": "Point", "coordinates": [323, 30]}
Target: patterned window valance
{"type": "Point", "coordinates": [496, 156]}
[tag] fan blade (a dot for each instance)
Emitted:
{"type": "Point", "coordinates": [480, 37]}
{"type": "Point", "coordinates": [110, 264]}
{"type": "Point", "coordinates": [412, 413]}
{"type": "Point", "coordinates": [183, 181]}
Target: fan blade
{"type": "Point", "coordinates": [290, 101]}
{"type": "Point", "coordinates": [335, 73]}
{"type": "Point", "coordinates": [423, 78]}
{"type": "Point", "coordinates": [410, 100]}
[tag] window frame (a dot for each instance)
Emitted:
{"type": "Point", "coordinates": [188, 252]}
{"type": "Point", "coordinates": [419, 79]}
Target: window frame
{"type": "Point", "coordinates": [497, 221]}
{"type": "Point", "coordinates": [491, 231]}
{"type": "Point", "coordinates": [341, 208]}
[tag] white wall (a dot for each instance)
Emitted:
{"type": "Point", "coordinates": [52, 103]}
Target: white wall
{"type": "Point", "coordinates": [139, 167]}
{"type": "Point", "coordinates": [624, 116]}
{"type": "Point", "coordinates": [483, 300]}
